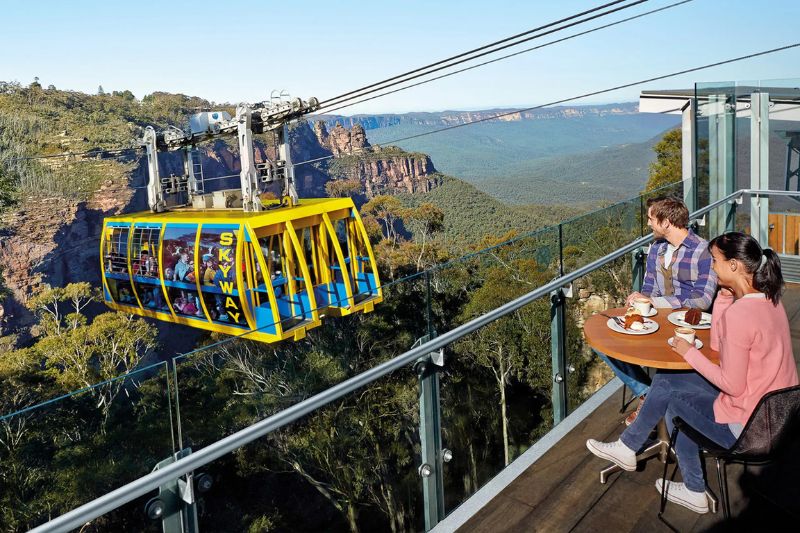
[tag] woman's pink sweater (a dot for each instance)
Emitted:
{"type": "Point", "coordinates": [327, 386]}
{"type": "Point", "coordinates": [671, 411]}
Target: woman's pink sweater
{"type": "Point", "coordinates": [755, 351]}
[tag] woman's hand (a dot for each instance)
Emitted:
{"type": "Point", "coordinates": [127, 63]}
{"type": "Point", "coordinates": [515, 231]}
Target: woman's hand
{"type": "Point", "coordinates": [725, 291]}
{"type": "Point", "coordinates": [681, 346]}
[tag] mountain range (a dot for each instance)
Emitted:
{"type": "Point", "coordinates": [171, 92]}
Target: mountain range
{"type": "Point", "coordinates": [559, 155]}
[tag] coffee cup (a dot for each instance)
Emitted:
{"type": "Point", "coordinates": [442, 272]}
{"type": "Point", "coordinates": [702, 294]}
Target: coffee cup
{"type": "Point", "coordinates": [642, 306]}
{"type": "Point", "coordinates": [686, 334]}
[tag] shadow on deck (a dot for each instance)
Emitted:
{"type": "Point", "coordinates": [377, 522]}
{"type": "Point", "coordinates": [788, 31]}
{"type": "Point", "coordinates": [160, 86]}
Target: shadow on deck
{"type": "Point", "coordinates": [561, 491]}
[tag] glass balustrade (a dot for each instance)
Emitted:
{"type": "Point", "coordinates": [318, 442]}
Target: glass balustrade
{"type": "Point", "coordinates": [361, 458]}
{"type": "Point", "coordinates": [62, 453]}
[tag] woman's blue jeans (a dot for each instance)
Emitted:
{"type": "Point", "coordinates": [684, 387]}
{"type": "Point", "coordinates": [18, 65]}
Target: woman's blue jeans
{"type": "Point", "coordinates": [689, 396]}
{"type": "Point", "coordinates": [631, 375]}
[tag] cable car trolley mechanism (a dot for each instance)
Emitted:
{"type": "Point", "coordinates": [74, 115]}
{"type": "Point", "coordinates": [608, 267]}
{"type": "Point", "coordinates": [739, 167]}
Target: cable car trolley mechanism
{"type": "Point", "coordinates": [229, 261]}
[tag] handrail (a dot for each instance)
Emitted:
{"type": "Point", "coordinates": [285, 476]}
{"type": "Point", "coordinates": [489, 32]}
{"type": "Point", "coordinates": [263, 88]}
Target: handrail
{"type": "Point", "coordinates": [79, 516]}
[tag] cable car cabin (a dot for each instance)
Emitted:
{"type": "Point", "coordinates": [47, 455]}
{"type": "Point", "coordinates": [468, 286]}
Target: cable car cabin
{"type": "Point", "coordinates": [275, 272]}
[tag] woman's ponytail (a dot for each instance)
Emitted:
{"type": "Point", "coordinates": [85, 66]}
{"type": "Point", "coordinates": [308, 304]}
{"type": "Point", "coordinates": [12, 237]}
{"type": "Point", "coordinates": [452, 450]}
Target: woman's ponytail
{"type": "Point", "coordinates": [768, 277]}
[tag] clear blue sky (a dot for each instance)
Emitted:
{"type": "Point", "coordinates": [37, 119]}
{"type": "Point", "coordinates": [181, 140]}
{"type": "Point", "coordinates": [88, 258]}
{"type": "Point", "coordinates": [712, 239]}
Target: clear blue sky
{"type": "Point", "coordinates": [238, 50]}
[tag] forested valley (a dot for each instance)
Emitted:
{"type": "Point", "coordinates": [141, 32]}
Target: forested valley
{"type": "Point", "coordinates": [122, 398]}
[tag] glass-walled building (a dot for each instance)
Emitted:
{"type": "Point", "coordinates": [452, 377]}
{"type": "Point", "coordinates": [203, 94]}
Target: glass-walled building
{"type": "Point", "coordinates": [741, 135]}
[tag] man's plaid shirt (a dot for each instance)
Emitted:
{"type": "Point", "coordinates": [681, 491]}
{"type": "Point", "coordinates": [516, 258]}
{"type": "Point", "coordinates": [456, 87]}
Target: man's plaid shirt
{"type": "Point", "coordinates": [694, 282]}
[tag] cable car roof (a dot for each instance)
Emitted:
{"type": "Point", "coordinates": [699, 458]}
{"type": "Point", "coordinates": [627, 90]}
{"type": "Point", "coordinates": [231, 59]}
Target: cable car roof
{"type": "Point", "coordinates": [306, 208]}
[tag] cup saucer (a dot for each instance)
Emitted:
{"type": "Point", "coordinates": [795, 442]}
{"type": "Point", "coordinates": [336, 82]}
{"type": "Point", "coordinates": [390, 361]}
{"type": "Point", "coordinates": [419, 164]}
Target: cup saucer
{"type": "Point", "coordinates": [697, 343]}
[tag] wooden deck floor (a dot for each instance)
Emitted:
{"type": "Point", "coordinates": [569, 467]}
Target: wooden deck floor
{"type": "Point", "coordinates": [562, 490]}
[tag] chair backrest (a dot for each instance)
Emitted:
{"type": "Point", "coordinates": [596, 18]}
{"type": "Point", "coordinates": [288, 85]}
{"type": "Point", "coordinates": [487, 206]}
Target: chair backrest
{"type": "Point", "coordinates": [775, 422]}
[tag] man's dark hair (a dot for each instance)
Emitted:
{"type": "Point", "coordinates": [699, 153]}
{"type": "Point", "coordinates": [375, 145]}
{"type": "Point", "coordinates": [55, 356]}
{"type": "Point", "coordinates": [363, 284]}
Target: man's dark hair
{"type": "Point", "coordinates": [670, 208]}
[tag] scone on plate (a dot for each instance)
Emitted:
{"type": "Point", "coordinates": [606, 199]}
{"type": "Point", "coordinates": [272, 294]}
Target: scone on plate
{"type": "Point", "coordinates": [633, 320]}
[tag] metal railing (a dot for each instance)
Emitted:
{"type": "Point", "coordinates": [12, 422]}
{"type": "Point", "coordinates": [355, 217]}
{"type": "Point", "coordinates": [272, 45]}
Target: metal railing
{"type": "Point", "coordinates": [421, 355]}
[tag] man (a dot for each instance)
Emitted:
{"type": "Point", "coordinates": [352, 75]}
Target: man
{"type": "Point", "coordinates": [678, 274]}
{"type": "Point", "coordinates": [182, 267]}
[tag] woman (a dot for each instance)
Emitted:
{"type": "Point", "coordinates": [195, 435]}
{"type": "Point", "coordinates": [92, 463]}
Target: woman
{"type": "Point", "coordinates": [750, 330]}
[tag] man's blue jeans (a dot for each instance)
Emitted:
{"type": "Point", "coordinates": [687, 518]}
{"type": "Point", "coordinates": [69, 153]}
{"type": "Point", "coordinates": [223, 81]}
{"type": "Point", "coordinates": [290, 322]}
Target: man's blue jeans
{"type": "Point", "coordinates": [689, 396]}
{"type": "Point", "coordinates": [633, 376]}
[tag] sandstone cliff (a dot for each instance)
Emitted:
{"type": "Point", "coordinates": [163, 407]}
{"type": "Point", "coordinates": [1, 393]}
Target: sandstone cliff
{"type": "Point", "coordinates": [388, 170]}
{"type": "Point", "coordinates": [54, 240]}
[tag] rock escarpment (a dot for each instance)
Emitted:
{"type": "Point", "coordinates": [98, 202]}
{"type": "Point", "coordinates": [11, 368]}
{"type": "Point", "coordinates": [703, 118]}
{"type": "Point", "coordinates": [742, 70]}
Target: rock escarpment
{"type": "Point", "coordinates": [381, 170]}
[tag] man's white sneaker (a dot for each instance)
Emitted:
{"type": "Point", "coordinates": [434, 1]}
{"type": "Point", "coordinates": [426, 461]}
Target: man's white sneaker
{"type": "Point", "coordinates": [616, 452]}
{"type": "Point", "coordinates": [678, 493]}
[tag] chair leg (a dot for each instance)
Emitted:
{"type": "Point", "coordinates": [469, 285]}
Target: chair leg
{"type": "Point", "coordinates": [624, 405]}
{"type": "Point", "coordinates": [670, 446]}
{"type": "Point", "coordinates": [727, 497]}
{"type": "Point", "coordinates": [722, 488]}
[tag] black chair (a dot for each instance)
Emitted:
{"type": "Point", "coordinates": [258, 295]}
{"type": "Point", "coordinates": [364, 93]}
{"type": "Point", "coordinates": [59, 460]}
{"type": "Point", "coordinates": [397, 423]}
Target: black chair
{"type": "Point", "coordinates": [774, 425]}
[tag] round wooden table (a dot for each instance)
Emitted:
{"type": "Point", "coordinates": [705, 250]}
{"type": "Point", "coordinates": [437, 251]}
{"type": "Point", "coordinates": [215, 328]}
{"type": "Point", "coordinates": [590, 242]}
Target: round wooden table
{"type": "Point", "coordinates": [649, 350]}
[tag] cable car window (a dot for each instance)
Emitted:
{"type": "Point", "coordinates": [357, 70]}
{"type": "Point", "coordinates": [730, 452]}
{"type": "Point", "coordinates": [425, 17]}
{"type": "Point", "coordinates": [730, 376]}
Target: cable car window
{"type": "Point", "coordinates": [145, 244]}
{"type": "Point", "coordinates": [178, 269]}
{"type": "Point", "coordinates": [217, 271]}
{"type": "Point", "coordinates": [115, 266]}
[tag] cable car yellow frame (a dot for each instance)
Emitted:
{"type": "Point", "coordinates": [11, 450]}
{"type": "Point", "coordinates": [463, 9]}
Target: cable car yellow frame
{"type": "Point", "coordinates": [327, 267]}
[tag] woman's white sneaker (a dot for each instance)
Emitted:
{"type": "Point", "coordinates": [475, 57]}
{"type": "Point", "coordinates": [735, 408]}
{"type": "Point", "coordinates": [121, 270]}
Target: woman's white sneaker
{"type": "Point", "coordinates": [678, 493]}
{"type": "Point", "coordinates": [616, 452]}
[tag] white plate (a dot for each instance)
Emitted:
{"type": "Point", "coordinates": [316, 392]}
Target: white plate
{"type": "Point", "coordinates": [697, 343]}
{"type": "Point", "coordinates": [650, 326]}
{"type": "Point", "coordinates": [676, 318]}
{"type": "Point", "coordinates": [653, 312]}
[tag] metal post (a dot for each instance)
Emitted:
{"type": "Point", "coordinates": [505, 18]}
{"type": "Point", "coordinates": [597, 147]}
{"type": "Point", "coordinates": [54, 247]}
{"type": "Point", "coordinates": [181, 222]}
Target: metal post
{"type": "Point", "coordinates": [637, 269]}
{"type": "Point", "coordinates": [175, 504]}
{"type": "Point", "coordinates": [248, 175]}
{"type": "Point", "coordinates": [428, 302]}
{"type": "Point", "coordinates": [721, 145]}
{"type": "Point", "coordinates": [560, 250]}
{"type": "Point", "coordinates": [155, 194]}
{"type": "Point", "coordinates": [285, 154]}
{"type": "Point", "coordinates": [688, 140]}
{"type": "Point", "coordinates": [558, 355]}
{"type": "Point", "coordinates": [430, 436]}
{"type": "Point", "coordinates": [759, 166]}
{"type": "Point", "coordinates": [189, 168]}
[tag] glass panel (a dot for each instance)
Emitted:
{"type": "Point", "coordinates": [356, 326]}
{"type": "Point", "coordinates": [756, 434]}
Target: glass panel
{"type": "Point", "coordinates": [68, 451]}
{"type": "Point", "coordinates": [597, 292]}
{"type": "Point", "coordinates": [178, 258]}
{"type": "Point", "coordinates": [589, 237]}
{"type": "Point", "coordinates": [496, 394]}
{"type": "Point", "coordinates": [351, 465]}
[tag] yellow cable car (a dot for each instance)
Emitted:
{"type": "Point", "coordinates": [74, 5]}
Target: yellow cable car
{"type": "Point", "coordinates": [274, 273]}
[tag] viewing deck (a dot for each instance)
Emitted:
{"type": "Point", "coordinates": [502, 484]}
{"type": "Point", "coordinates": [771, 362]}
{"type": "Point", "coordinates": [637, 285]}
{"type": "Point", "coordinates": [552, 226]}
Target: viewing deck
{"type": "Point", "coordinates": [561, 491]}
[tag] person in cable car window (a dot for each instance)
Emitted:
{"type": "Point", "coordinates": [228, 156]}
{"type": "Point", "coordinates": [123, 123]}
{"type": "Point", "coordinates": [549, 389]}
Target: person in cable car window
{"type": "Point", "coordinates": [182, 268]}
{"type": "Point", "coordinates": [145, 266]}
{"type": "Point", "coordinates": [170, 257]}
{"type": "Point", "coordinates": [211, 269]}
{"type": "Point", "coordinates": [116, 263]}
{"type": "Point", "coordinates": [219, 276]}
